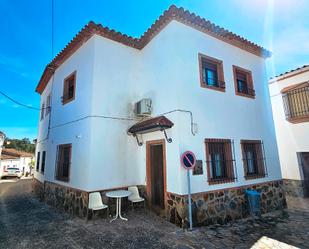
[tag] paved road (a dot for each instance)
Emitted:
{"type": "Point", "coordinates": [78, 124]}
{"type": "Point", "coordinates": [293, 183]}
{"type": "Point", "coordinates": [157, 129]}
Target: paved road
{"type": "Point", "coordinates": [27, 223]}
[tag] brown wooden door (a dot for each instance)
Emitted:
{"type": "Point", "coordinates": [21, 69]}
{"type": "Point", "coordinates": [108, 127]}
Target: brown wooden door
{"type": "Point", "coordinates": [305, 167]}
{"type": "Point", "coordinates": [156, 174]}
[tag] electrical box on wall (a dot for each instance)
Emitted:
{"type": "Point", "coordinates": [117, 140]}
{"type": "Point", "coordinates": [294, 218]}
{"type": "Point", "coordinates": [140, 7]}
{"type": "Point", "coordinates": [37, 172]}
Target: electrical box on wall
{"type": "Point", "coordinates": [143, 107]}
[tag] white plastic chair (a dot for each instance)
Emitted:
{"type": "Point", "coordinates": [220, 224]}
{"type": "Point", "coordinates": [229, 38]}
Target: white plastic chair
{"type": "Point", "coordinates": [135, 197]}
{"type": "Point", "coordinates": [95, 203]}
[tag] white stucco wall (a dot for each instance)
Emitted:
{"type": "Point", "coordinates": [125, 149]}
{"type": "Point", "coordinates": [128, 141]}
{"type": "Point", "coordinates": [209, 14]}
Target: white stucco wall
{"type": "Point", "coordinates": [111, 77]}
{"type": "Point", "coordinates": [68, 123]}
{"type": "Point", "coordinates": [292, 138]}
{"type": "Point", "coordinates": [21, 163]}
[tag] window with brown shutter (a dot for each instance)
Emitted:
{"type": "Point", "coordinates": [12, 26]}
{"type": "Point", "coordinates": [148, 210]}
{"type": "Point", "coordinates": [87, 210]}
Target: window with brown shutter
{"type": "Point", "coordinates": [220, 161]}
{"type": "Point", "coordinates": [63, 165]}
{"type": "Point", "coordinates": [253, 159]}
{"type": "Point", "coordinates": [69, 86]}
{"type": "Point", "coordinates": [243, 82]}
{"type": "Point", "coordinates": [211, 73]}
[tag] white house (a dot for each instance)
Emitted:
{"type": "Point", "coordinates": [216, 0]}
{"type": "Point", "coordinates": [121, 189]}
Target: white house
{"type": "Point", "coordinates": [290, 103]}
{"type": "Point", "coordinates": [16, 159]}
{"type": "Point", "coordinates": [207, 92]}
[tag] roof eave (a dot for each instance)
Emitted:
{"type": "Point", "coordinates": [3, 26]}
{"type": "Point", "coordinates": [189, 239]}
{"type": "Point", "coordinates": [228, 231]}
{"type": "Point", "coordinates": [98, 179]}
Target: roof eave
{"type": "Point", "coordinates": [173, 13]}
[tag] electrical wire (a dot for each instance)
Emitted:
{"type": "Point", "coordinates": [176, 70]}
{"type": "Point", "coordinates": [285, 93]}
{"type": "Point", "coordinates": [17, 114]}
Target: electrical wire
{"type": "Point", "coordinates": [21, 104]}
{"type": "Point", "coordinates": [92, 116]}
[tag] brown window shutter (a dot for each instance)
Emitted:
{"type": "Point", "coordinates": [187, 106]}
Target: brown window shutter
{"type": "Point", "coordinates": [260, 159]}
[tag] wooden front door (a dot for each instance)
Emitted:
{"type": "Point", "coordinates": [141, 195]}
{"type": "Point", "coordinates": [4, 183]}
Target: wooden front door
{"type": "Point", "coordinates": [305, 166]}
{"type": "Point", "coordinates": [156, 183]}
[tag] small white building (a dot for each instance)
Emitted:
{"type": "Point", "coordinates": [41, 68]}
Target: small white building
{"type": "Point", "coordinates": [290, 103]}
{"type": "Point", "coordinates": [12, 158]}
{"type": "Point", "coordinates": [202, 88]}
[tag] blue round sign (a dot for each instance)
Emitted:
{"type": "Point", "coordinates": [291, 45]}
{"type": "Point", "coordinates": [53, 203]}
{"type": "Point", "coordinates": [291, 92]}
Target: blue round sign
{"type": "Point", "coordinates": [188, 160]}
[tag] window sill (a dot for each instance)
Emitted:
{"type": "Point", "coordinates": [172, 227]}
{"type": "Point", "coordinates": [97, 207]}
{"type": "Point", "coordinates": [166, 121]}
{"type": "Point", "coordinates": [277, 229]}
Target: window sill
{"type": "Point", "coordinates": [245, 95]}
{"type": "Point", "coordinates": [67, 101]}
{"type": "Point", "coordinates": [299, 119]}
{"type": "Point", "coordinates": [251, 177]}
{"type": "Point", "coordinates": [220, 89]}
{"type": "Point", "coordinates": [62, 179]}
{"type": "Point", "coordinates": [220, 181]}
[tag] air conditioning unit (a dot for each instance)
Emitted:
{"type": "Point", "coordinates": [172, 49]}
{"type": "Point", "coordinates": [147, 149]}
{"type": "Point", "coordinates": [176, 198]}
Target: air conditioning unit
{"type": "Point", "coordinates": [143, 107]}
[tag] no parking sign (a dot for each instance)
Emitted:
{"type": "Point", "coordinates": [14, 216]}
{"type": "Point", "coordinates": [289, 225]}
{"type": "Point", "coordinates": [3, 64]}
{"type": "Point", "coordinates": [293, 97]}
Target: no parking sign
{"type": "Point", "coordinates": [188, 160]}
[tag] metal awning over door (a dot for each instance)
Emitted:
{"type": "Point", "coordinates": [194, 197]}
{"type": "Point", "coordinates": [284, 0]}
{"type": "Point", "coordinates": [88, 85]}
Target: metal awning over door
{"type": "Point", "coordinates": [160, 123]}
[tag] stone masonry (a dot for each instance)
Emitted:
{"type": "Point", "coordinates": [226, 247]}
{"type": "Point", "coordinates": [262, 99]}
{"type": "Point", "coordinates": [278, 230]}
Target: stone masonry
{"type": "Point", "coordinates": [222, 206]}
{"type": "Point", "coordinates": [294, 188]}
{"type": "Point", "coordinates": [213, 207]}
{"type": "Point", "coordinates": [75, 201]}
{"type": "Point", "coordinates": [70, 200]}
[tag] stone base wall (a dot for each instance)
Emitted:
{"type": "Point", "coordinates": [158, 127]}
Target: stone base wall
{"type": "Point", "coordinates": [70, 200]}
{"type": "Point", "coordinates": [38, 188]}
{"type": "Point", "coordinates": [225, 205]}
{"type": "Point", "coordinates": [75, 201]}
{"type": "Point", "coordinates": [66, 199]}
{"type": "Point", "coordinates": [294, 188]}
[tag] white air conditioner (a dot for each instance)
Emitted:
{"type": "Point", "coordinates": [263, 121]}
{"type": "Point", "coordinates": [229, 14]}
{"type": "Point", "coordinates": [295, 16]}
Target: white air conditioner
{"type": "Point", "coordinates": [143, 107]}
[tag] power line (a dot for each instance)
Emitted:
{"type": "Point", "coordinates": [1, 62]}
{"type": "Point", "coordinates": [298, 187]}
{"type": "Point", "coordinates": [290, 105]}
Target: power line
{"type": "Point", "coordinates": [21, 104]}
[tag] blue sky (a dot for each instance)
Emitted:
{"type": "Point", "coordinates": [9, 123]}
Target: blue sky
{"type": "Point", "coordinates": [25, 45]}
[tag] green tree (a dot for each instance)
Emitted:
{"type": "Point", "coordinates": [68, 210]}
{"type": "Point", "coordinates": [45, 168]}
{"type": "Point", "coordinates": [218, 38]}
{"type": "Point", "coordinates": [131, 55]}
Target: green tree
{"type": "Point", "coordinates": [20, 144]}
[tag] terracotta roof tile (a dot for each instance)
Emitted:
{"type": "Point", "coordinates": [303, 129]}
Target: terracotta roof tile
{"type": "Point", "coordinates": [173, 13]}
{"type": "Point", "coordinates": [288, 74]}
{"type": "Point", "coordinates": [8, 157]}
{"type": "Point", "coordinates": [293, 70]}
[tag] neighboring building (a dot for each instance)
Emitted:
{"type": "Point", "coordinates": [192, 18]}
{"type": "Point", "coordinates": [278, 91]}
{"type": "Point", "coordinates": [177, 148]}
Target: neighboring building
{"type": "Point", "coordinates": [290, 103]}
{"type": "Point", "coordinates": [206, 90]}
{"type": "Point", "coordinates": [16, 159]}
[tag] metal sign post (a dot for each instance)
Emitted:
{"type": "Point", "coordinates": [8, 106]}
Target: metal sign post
{"type": "Point", "coordinates": [188, 161]}
{"type": "Point", "coordinates": [189, 199]}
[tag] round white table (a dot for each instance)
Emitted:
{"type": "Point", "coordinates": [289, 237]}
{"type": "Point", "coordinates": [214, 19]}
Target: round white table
{"type": "Point", "coordinates": [118, 194]}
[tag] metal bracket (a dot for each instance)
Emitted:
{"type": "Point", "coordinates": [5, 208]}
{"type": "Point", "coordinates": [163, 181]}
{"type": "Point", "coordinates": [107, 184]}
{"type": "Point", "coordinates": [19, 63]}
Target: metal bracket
{"type": "Point", "coordinates": [169, 140]}
{"type": "Point", "coordinates": [139, 143]}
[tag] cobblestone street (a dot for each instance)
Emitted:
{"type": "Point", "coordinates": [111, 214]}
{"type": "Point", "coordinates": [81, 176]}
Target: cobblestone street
{"type": "Point", "coordinates": [27, 223]}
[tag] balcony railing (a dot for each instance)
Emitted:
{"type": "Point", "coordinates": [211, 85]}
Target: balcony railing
{"type": "Point", "coordinates": [212, 82]}
{"type": "Point", "coordinates": [296, 103]}
{"type": "Point", "coordinates": [247, 91]}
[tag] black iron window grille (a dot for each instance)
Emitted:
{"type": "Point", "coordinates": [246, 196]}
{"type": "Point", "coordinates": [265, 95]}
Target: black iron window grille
{"type": "Point", "coordinates": [296, 103]}
{"type": "Point", "coordinates": [221, 166]}
{"type": "Point", "coordinates": [243, 82]}
{"type": "Point", "coordinates": [242, 87]}
{"type": "Point", "coordinates": [253, 159]}
{"type": "Point", "coordinates": [210, 75]}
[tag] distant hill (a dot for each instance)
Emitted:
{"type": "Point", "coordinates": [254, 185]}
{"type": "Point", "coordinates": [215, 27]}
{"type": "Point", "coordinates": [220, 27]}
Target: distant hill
{"type": "Point", "coordinates": [20, 144]}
